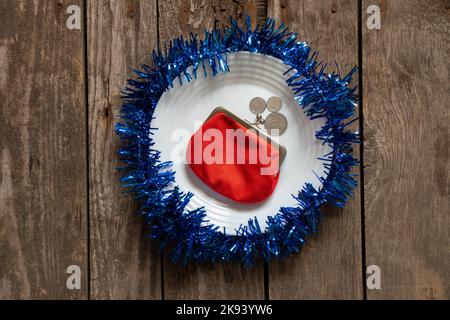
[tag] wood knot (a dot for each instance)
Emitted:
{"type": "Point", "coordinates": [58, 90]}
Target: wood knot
{"type": "Point", "coordinates": [107, 111]}
{"type": "Point", "coordinates": [130, 10]}
{"type": "Point", "coordinates": [333, 8]}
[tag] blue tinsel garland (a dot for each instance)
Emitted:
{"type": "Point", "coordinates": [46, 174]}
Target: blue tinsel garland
{"type": "Point", "coordinates": [321, 95]}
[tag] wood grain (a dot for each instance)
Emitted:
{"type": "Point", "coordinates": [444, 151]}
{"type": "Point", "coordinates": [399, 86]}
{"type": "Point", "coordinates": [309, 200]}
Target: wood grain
{"type": "Point", "coordinates": [219, 281]}
{"type": "Point", "coordinates": [184, 16]}
{"type": "Point", "coordinates": [43, 198]}
{"type": "Point", "coordinates": [222, 281]}
{"type": "Point", "coordinates": [329, 266]}
{"type": "Point", "coordinates": [124, 263]}
{"type": "Point", "coordinates": [45, 218]}
{"type": "Point", "coordinates": [406, 112]}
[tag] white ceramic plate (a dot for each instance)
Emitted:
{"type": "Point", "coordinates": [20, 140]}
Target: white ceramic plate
{"type": "Point", "coordinates": [182, 110]}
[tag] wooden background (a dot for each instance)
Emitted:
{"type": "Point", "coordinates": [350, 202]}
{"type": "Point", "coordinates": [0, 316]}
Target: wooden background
{"type": "Point", "coordinates": [60, 200]}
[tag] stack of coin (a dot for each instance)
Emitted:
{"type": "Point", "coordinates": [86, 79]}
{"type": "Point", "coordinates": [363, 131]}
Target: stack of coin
{"type": "Point", "coordinates": [275, 123]}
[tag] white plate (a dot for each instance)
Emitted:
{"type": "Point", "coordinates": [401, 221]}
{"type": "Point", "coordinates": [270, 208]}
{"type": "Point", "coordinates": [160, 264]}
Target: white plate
{"type": "Point", "coordinates": [182, 109]}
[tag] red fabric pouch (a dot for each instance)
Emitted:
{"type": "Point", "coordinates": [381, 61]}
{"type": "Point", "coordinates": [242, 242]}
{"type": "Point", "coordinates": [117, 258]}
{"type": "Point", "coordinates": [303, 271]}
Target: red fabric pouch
{"type": "Point", "coordinates": [233, 159]}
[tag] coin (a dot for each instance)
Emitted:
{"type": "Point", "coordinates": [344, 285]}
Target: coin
{"type": "Point", "coordinates": [276, 124]}
{"type": "Point", "coordinates": [257, 105]}
{"type": "Point", "coordinates": [274, 104]}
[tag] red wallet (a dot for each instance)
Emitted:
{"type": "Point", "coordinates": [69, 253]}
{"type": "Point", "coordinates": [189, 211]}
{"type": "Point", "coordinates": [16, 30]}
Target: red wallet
{"type": "Point", "coordinates": [234, 159]}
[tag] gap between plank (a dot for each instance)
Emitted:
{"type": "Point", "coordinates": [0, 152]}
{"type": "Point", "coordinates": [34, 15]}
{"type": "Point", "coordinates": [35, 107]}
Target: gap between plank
{"type": "Point", "coordinates": [86, 103]}
{"type": "Point", "coordinates": [361, 148]}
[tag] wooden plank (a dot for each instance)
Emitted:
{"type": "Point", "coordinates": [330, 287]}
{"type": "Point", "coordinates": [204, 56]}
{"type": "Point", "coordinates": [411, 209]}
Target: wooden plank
{"type": "Point", "coordinates": [185, 16]}
{"type": "Point", "coordinates": [124, 262]}
{"type": "Point", "coordinates": [329, 266]}
{"type": "Point", "coordinates": [205, 281]}
{"type": "Point", "coordinates": [222, 281]}
{"type": "Point", "coordinates": [43, 197]}
{"type": "Point", "coordinates": [406, 116]}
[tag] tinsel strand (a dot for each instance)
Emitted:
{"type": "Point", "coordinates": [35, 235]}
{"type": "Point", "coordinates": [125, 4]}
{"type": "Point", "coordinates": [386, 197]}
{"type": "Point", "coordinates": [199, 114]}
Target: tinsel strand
{"type": "Point", "coordinates": [319, 94]}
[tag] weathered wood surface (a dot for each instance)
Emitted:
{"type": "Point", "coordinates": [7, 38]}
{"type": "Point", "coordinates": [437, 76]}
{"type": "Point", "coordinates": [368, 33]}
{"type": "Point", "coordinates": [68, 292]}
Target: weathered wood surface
{"type": "Point", "coordinates": [406, 120]}
{"type": "Point", "coordinates": [43, 195]}
{"type": "Point", "coordinates": [55, 150]}
{"type": "Point", "coordinates": [124, 262]}
{"type": "Point", "coordinates": [222, 281]}
{"type": "Point", "coordinates": [330, 264]}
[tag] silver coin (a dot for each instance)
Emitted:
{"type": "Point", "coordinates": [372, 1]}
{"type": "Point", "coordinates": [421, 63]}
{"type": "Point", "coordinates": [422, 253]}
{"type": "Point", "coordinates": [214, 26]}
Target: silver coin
{"type": "Point", "coordinates": [274, 104]}
{"type": "Point", "coordinates": [276, 124]}
{"type": "Point", "coordinates": [258, 105]}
